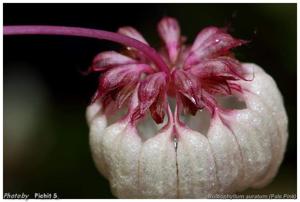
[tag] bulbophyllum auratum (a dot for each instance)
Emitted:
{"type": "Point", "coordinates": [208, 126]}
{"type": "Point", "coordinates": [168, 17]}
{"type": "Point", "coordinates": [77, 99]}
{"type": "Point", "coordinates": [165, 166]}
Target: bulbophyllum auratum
{"type": "Point", "coordinates": [186, 121]}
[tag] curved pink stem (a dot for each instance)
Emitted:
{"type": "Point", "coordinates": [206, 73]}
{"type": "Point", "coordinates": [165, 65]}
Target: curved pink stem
{"type": "Point", "coordinates": [90, 33]}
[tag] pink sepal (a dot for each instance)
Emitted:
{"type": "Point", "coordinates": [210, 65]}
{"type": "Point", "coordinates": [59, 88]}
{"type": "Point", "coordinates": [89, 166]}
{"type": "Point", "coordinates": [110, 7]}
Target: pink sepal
{"type": "Point", "coordinates": [211, 42]}
{"type": "Point", "coordinates": [152, 95]}
{"type": "Point", "coordinates": [188, 90]}
{"type": "Point", "coordinates": [118, 83]}
{"type": "Point", "coordinates": [109, 59]}
{"type": "Point", "coordinates": [169, 32]}
{"type": "Point", "coordinates": [132, 33]}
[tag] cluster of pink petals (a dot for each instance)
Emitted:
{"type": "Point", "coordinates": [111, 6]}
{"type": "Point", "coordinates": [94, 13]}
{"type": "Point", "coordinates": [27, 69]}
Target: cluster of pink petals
{"type": "Point", "coordinates": [242, 147]}
{"type": "Point", "coordinates": [196, 73]}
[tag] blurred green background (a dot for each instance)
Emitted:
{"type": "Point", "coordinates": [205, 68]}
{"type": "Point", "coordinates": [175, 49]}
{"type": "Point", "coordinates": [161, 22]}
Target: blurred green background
{"type": "Point", "coordinates": [45, 133]}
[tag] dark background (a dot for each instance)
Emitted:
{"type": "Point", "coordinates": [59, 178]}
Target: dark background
{"type": "Point", "coordinates": [45, 133]}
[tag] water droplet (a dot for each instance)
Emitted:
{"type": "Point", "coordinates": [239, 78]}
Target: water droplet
{"type": "Point", "coordinates": [175, 143]}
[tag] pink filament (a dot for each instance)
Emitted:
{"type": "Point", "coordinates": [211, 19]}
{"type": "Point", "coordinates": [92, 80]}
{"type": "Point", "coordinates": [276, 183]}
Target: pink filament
{"type": "Point", "coordinates": [90, 33]}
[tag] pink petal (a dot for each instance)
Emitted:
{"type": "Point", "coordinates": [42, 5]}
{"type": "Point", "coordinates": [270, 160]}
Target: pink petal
{"type": "Point", "coordinates": [187, 85]}
{"type": "Point", "coordinates": [188, 90]}
{"type": "Point", "coordinates": [236, 87]}
{"type": "Point", "coordinates": [188, 106]}
{"type": "Point", "coordinates": [216, 75]}
{"type": "Point", "coordinates": [203, 36]}
{"type": "Point", "coordinates": [152, 94]}
{"type": "Point", "coordinates": [132, 33]}
{"type": "Point", "coordinates": [211, 42]}
{"type": "Point", "coordinates": [118, 83]}
{"type": "Point", "coordinates": [133, 52]}
{"type": "Point", "coordinates": [124, 94]}
{"type": "Point", "coordinates": [216, 86]}
{"type": "Point", "coordinates": [157, 109]}
{"type": "Point", "coordinates": [169, 31]}
{"type": "Point", "coordinates": [223, 66]}
{"type": "Point", "coordinates": [209, 102]}
{"type": "Point", "coordinates": [184, 52]}
{"type": "Point", "coordinates": [109, 59]}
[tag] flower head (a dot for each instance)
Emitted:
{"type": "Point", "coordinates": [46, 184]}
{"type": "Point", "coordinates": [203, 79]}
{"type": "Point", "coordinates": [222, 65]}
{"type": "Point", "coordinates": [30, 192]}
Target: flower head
{"type": "Point", "coordinates": [242, 147]}
{"type": "Point", "coordinates": [204, 66]}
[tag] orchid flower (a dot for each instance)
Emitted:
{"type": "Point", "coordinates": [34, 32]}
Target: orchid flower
{"type": "Point", "coordinates": [242, 148]}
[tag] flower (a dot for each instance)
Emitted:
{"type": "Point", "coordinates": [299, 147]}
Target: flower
{"type": "Point", "coordinates": [242, 148]}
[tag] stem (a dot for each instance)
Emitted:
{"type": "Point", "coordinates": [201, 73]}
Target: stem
{"type": "Point", "coordinates": [149, 52]}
